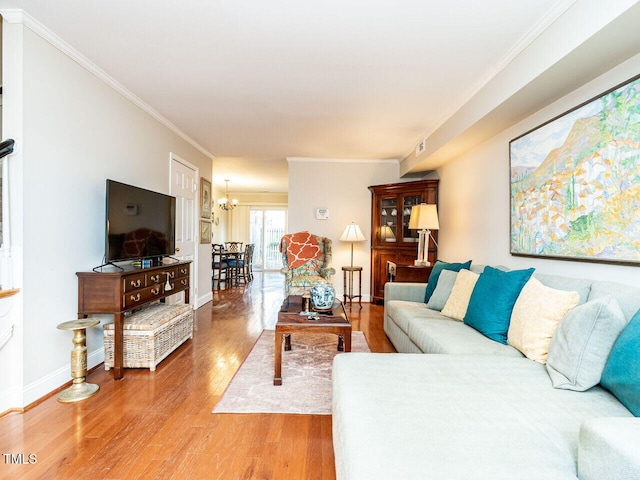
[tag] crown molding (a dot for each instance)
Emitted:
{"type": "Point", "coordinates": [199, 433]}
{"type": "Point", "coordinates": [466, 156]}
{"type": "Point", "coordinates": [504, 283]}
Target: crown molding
{"type": "Point", "coordinates": [341, 160]}
{"type": "Point", "coordinates": [16, 16]}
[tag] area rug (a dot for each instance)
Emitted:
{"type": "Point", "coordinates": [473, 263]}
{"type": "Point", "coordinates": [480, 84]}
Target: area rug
{"type": "Point", "coordinates": [306, 376]}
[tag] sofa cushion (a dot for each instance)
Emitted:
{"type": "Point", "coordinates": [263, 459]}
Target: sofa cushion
{"type": "Point", "coordinates": [621, 375]}
{"type": "Point", "coordinates": [535, 317]}
{"type": "Point", "coordinates": [493, 299]}
{"type": "Point", "coordinates": [402, 313]}
{"type": "Point", "coordinates": [443, 289]}
{"type": "Point", "coordinates": [435, 273]}
{"type": "Point", "coordinates": [628, 297]}
{"type": "Point", "coordinates": [443, 335]}
{"type": "Point", "coordinates": [580, 285]}
{"type": "Point", "coordinates": [580, 347]}
{"type": "Point", "coordinates": [608, 448]}
{"type": "Point", "coordinates": [458, 301]}
{"type": "Point", "coordinates": [456, 417]}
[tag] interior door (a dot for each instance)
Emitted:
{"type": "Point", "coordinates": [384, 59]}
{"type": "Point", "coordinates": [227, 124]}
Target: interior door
{"type": "Point", "coordinates": [184, 188]}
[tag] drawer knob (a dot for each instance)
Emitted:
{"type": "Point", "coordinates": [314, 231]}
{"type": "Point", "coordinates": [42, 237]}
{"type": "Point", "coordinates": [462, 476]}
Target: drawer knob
{"type": "Point", "coordinates": [155, 291]}
{"type": "Point", "coordinates": [136, 298]}
{"type": "Point", "coordinates": [136, 283]}
{"type": "Point", "coordinates": [155, 278]}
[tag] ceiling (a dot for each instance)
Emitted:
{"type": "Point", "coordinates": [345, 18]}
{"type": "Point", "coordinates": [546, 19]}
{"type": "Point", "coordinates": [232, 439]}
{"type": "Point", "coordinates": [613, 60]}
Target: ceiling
{"type": "Point", "coordinates": [253, 82]}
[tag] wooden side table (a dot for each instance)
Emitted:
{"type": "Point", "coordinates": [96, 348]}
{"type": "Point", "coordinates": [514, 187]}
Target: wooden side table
{"type": "Point", "coordinates": [347, 273]}
{"type": "Point", "coordinates": [408, 273]}
{"type": "Point", "coordinates": [79, 389]}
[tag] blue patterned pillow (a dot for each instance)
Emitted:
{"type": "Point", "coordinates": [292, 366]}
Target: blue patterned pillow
{"type": "Point", "coordinates": [621, 375]}
{"type": "Point", "coordinates": [435, 273]}
{"type": "Point", "coordinates": [492, 301]}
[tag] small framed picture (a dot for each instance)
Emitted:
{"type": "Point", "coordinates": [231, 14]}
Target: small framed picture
{"type": "Point", "coordinates": [322, 214]}
{"type": "Point", "coordinates": [205, 231]}
{"type": "Point", "coordinates": [205, 198]}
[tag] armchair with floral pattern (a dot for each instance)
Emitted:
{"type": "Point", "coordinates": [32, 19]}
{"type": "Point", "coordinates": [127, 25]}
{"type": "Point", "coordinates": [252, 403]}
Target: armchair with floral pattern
{"type": "Point", "coordinates": [306, 260]}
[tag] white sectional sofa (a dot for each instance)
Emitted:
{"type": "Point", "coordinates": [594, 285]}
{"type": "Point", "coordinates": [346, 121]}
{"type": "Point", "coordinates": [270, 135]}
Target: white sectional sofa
{"type": "Point", "coordinates": [454, 404]}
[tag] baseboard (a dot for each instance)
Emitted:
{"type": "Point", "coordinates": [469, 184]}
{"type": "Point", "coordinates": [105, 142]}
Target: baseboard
{"type": "Point", "coordinates": [9, 398]}
{"type": "Point", "coordinates": [206, 298]}
{"type": "Point", "coordinates": [54, 380]}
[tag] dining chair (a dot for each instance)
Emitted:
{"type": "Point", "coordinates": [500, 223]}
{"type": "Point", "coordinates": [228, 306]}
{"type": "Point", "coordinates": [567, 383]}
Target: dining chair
{"type": "Point", "coordinates": [219, 265]}
{"type": "Point", "coordinates": [233, 246]}
{"type": "Point", "coordinates": [237, 261]}
{"type": "Point", "coordinates": [243, 265]}
{"type": "Point", "coordinates": [248, 260]}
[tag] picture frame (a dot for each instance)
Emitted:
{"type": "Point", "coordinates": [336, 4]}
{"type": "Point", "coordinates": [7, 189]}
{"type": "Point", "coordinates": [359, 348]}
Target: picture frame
{"type": "Point", "coordinates": [205, 198]}
{"type": "Point", "coordinates": [575, 182]}
{"type": "Point", "coordinates": [322, 214]}
{"type": "Point", "coordinates": [205, 231]}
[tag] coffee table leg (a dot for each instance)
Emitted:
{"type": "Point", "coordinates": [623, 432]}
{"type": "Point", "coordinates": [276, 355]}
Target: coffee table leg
{"type": "Point", "coordinates": [277, 360]}
{"type": "Point", "coordinates": [347, 342]}
{"type": "Point", "coordinates": [287, 342]}
{"type": "Point", "coordinates": [341, 343]}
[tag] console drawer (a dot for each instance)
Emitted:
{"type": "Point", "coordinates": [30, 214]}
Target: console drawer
{"type": "Point", "coordinates": [134, 282]}
{"type": "Point", "coordinates": [141, 296]}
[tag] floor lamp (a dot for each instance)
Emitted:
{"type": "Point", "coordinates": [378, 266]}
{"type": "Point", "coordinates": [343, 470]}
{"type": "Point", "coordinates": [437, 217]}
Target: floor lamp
{"type": "Point", "coordinates": [352, 234]}
{"type": "Point", "coordinates": [424, 217]}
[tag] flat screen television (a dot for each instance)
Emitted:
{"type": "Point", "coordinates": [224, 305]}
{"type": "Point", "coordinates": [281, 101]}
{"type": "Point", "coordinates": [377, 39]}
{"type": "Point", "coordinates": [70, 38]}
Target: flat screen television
{"type": "Point", "coordinates": [140, 223]}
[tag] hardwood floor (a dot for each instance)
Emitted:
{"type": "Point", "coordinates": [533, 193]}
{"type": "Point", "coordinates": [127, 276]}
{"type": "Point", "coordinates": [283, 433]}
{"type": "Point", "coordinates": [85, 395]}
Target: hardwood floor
{"type": "Point", "coordinates": [159, 424]}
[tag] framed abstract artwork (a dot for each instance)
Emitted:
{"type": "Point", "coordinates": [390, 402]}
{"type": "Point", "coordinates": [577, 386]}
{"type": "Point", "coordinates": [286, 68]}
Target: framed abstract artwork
{"type": "Point", "coordinates": [575, 182]}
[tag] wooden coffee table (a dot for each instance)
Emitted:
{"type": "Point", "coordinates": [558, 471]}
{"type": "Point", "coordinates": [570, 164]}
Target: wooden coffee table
{"type": "Point", "coordinates": [290, 321]}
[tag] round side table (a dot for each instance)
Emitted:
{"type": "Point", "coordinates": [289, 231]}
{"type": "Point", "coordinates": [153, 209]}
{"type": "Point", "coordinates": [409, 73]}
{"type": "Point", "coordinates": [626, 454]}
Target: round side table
{"type": "Point", "coordinates": [79, 389]}
{"type": "Point", "coordinates": [347, 273]}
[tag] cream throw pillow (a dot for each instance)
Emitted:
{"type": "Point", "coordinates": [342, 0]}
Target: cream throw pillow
{"type": "Point", "coordinates": [536, 316]}
{"type": "Point", "coordinates": [456, 306]}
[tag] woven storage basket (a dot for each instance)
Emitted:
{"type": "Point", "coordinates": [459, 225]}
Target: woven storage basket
{"type": "Point", "coordinates": [150, 335]}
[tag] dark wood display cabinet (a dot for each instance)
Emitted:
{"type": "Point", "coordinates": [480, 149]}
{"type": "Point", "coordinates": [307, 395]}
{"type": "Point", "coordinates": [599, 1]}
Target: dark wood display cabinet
{"type": "Point", "coordinates": [391, 238]}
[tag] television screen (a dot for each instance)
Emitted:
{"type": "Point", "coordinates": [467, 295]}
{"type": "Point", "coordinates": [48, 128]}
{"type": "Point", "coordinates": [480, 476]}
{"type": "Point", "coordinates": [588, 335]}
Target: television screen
{"type": "Point", "coordinates": [140, 223]}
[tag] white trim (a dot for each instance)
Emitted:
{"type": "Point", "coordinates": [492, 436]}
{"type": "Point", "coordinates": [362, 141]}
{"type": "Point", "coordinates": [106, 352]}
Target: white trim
{"type": "Point", "coordinates": [20, 16]}
{"type": "Point", "coordinates": [47, 384]}
{"type": "Point", "coordinates": [342, 160]}
{"type": "Point", "coordinates": [10, 398]}
{"type": "Point", "coordinates": [206, 298]}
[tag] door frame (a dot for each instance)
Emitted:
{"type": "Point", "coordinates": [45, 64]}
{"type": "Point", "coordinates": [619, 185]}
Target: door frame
{"type": "Point", "coordinates": [194, 267]}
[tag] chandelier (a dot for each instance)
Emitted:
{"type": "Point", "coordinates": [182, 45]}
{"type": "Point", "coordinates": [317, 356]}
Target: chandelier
{"type": "Point", "coordinates": [225, 203]}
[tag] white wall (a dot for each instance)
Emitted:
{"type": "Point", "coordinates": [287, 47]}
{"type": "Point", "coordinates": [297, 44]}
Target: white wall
{"type": "Point", "coordinates": [73, 131]}
{"type": "Point", "coordinates": [341, 187]}
{"type": "Point", "coordinates": [474, 195]}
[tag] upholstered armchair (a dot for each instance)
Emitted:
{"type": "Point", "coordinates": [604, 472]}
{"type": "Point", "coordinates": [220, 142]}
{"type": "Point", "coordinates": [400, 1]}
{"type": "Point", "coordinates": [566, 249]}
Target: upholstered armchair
{"type": "Point", "coordinates": [306, 260]}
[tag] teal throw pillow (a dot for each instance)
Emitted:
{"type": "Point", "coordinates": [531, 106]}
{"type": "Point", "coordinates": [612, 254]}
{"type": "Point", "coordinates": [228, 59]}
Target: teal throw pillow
{"type": "Point", "coordinates": [621, 375]}
{"type": "Point", "coordinates": [492, 301]}
{"type": "Point", "coordinates": [435, 274]}
{"type": "Point", "coordinates": [582, 343]}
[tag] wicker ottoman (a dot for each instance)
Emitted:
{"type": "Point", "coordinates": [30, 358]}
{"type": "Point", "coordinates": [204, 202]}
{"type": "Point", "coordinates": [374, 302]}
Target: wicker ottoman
{"type": "Point", "coordinates": [150, 335]}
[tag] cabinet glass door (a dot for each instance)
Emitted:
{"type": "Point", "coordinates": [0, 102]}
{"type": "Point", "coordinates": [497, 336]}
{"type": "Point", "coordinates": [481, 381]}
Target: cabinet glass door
{"type": "Point", "coordinates": [389, 219]}
{"type": "Point", "coordinates": [409, 235]}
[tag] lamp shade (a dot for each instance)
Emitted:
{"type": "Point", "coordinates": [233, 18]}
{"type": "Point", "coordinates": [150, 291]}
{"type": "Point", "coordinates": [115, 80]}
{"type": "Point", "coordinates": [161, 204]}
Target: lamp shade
{"type": "Point", "coordinates": [386, 234]}
{"type": "Point", "coordinates": [352, 234]}
{"type": "Point", "coordinates": [424, 217]}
